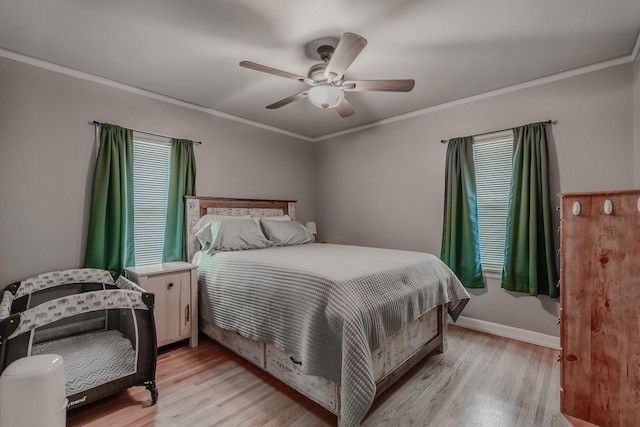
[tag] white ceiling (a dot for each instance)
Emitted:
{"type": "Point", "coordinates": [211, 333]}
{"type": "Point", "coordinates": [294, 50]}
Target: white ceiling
{"type": "Point", "coordinates": [189, 50]}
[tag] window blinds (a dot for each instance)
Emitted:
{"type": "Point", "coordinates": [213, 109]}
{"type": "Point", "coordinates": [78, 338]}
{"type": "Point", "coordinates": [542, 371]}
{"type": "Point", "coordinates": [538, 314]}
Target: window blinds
{"type": "Point", "coordinates": [151, 165]}
{"type": "Point", "coordinates": [493, 163]}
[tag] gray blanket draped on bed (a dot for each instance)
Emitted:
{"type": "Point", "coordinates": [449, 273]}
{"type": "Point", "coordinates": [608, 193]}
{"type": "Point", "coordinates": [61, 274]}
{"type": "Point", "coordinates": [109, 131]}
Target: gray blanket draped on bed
{"type": "Point", "coordinates": [328, 305]}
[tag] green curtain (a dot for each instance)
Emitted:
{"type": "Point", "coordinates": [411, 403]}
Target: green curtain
{"type": "Point", "coordinates": [110, 237]}
{"type": "Point", "coordinates": [529, 261]}
{"type": "Point", "coordinates": [182, 182]}
{"type": "Point", "coordinates": [460, 244]}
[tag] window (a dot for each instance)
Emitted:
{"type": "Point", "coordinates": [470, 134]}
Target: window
{"type": "Point", "coordinates": [151, 165]}
{"type": "Point", "coordinates": [493, 157]}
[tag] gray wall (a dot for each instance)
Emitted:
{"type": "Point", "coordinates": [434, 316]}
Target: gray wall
{"type": "Point", "coordinates": [47, 154]}
{"type": "Point", "coordinates": [383, 186]}
{"type": "Point", "coordinates": [379, 187]}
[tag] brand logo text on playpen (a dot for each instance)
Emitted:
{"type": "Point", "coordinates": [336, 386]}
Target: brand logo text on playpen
{"type": "Point", "coordinates": [75, 402]}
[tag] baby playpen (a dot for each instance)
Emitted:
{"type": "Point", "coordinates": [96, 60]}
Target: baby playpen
{"type": "Point", "coordinates": [99, 322]}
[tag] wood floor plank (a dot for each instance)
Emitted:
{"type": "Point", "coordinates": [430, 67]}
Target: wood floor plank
{"type": "Point", "coordinates": [481, 380]}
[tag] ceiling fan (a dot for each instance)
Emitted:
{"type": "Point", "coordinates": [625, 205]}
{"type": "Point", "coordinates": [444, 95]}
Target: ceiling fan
{"type": "Point", "coordinates": [327, 78]}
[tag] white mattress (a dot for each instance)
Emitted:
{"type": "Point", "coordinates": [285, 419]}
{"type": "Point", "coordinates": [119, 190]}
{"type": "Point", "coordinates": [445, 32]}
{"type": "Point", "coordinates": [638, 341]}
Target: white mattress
{"type": "Point", "coordinates": [92, 359]}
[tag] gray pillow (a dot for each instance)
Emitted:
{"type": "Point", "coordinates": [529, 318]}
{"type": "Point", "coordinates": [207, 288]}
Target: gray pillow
{"type": "Point", "coordinates": [202, 228]}
{"type": "Point", "coordinates": [286, 233]}
{"type": "Point", "coordinates": [236, 235]}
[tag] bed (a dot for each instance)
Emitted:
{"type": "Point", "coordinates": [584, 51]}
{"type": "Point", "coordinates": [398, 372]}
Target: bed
{"type": "Point", "coordinates": [338, 323]}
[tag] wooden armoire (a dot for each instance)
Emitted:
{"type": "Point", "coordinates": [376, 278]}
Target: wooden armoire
{"type": "Point", "coordinates": [600, 307]}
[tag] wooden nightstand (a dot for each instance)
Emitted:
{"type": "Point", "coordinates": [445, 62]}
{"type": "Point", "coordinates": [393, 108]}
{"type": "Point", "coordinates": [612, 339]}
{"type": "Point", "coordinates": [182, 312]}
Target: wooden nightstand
{"type": "Point", "coordinates": [175, 285]}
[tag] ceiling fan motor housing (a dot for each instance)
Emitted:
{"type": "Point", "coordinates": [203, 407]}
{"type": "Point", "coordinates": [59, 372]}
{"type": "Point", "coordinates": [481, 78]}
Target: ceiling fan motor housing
{"type": "Point", "coordinates": [316, 72]}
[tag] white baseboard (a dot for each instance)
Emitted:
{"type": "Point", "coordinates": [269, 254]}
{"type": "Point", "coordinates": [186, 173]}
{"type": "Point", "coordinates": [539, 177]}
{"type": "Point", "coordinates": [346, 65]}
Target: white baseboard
{"type": "Point", "coordinates": [518, 334]}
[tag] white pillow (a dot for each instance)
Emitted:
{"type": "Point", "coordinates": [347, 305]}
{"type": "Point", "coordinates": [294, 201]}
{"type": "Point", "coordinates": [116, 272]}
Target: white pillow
{"type": "Point", "coordinates": [202, 230]}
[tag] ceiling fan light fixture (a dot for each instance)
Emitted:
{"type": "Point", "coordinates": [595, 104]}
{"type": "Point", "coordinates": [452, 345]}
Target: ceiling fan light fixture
{"type": "Point", "coordinates": [325, 96]}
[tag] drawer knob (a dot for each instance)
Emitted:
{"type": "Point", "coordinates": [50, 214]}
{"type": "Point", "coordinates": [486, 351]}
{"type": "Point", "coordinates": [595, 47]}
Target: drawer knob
{"type": "Point", "coordinates": [576, 208]}
{"type": "Point", "coordinates": [170, 285]}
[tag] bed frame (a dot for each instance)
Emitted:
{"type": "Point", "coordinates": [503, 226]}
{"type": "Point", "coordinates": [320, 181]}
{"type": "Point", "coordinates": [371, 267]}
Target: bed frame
{"type": "Point", "coordinates": [393, 359]}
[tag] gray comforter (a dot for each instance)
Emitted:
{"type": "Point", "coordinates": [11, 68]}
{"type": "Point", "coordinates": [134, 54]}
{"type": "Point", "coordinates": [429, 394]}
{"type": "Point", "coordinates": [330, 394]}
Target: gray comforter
{"type": "Point", "coordinates": [329, 305]}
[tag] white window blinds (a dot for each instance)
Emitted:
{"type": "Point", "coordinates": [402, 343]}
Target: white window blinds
{"type": "Point", "coordinates": [151, 164]}
{"type": "Point", "coordinates": [493, 163]}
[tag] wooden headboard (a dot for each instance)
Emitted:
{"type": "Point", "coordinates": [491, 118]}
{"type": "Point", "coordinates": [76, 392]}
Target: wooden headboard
{"type": "Point", "coordinates": [196, 206]}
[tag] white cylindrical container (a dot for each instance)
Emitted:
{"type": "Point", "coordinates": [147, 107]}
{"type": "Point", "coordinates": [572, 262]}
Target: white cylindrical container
{"type": "Point", "coordinates": [32, 392]}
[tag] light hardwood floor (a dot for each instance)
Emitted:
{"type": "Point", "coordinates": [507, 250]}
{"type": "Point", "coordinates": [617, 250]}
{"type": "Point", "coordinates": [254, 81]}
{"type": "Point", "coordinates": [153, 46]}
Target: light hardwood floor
{"type": "Point", "coordinates": [481, 380]}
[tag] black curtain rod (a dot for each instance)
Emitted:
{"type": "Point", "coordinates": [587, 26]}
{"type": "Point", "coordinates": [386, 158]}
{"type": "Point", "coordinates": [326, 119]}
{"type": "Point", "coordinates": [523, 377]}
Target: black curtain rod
{"type": "Point", "coordinates": [548, 122]}
{"type": "Point", "coordinates": [95, 123]}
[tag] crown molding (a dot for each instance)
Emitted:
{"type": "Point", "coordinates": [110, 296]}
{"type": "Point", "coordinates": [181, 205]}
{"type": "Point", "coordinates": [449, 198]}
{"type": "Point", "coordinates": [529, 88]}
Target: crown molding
{"type": "Point", "coordinates": [502, 91]}
{"type": "Point", "coordinates": [513, 88]}
{"type": "Point", "coordinates": [531, 83]}
{"type": "Point", "coordinates": [111, 83]}
{"type": "Point", "coordinates": [634, 54]}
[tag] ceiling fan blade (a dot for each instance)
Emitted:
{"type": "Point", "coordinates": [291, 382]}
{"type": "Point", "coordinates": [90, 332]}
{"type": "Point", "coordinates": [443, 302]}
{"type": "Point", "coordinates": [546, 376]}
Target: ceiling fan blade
{"type": "Point", "coordinates": [378, 85]}
{"type": "Point", "coordinates": [345, 109]}
{"type": "Point", "coordinates": [288, 100]}
{"type": "Point", "coordinates": [349, 47]}
{"type": "Point", "coordinates": [275, 72]}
